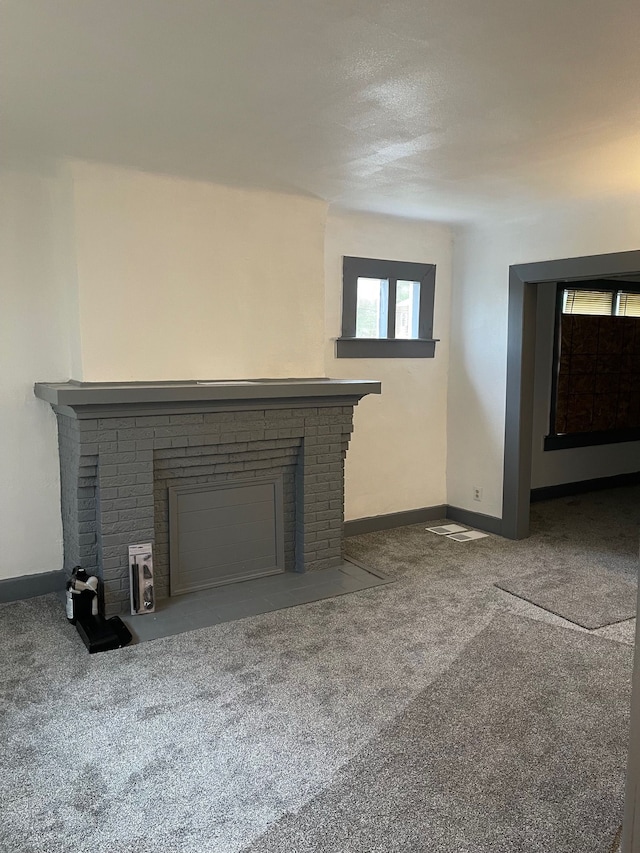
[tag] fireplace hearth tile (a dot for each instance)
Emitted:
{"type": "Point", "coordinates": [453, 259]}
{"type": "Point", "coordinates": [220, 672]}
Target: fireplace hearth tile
{"type": "Point", "coordinates": [250, 598]}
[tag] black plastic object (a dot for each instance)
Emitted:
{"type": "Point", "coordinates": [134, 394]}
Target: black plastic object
{"type": "Point", "coordinates": [103, 635]}
{"type": "Point", "coordinates": [83, 605]}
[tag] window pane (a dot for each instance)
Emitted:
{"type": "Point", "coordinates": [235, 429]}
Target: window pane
{"type": "Point", "coordinates": [628, 304]}
{"type": "Point", "coordinates": [371, 308]}
{"type": "Point", "coordinates": [407, 309]}
{"type": "Point", "coordinates": [587, 302]}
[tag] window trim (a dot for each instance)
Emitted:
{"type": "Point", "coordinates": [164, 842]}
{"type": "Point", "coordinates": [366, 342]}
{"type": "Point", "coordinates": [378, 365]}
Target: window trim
{"type": "Point", "coordinates": [349, 346]}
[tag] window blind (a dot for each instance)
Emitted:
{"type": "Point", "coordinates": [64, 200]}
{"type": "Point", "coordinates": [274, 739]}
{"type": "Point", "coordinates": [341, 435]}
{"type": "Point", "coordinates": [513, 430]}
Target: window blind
{"type": "Point", "coordinates": [628, 304]}
{"type": "Point", "coordinates": [587, 301]}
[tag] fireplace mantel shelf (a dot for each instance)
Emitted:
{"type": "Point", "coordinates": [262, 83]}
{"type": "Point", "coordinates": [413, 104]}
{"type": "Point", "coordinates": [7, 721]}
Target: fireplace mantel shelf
{"type": "Point", "coordinates": [73, 393]}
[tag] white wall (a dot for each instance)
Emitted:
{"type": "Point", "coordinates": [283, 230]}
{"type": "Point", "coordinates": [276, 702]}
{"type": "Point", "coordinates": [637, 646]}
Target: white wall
{"type": "Point", "coordinates": [35, 343]}
{"type": "Point", "coordinates": [482, 256]}
{"type": "Point", "coordinates": [181, 279]}
{"type": "Point", "coordinates": [109, 274]}
{"type": "Point", "coordinates": [550, 468]}
{"type": "Point", "coordinates": [115, 275]}
{"type": "Point", "coordinates": [397, 457]}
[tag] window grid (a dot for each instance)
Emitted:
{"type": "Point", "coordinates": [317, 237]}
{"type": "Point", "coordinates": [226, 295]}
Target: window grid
{"type": "Point", "coordinates": [394, 322]}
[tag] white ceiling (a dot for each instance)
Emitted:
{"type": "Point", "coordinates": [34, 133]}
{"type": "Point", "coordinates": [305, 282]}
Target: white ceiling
{"type": "Point", "coordinates": [432, 108]}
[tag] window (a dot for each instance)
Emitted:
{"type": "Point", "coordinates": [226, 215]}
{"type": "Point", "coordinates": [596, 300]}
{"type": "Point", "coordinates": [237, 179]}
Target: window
{"type": "Point", "coordinates": [387, 309]}
{"type": "Point", "coordinates": [595, 396]}
{"type": "Point", "coordinates": [611, 302]}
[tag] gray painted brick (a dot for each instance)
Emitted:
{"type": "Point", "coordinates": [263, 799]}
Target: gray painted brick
{"type": "Point", "coordinates": [107, 470]}
{"type": "Point", "coordinates": [136, 434]}
{"type": "Point", "coordinates": [206, 448]}
{"type": "Point", "coordinates": [110, 540]}
{"type": "Point", "coordinates": [132, 491]}
{"type": "Point", "coordinates": [117, 481]}
{"type": "Point", "coordinates": [205, 438]}
{"type": "Point", "coordinates": [168, 453]}
{"type": "Point", "coordinates": [152, 420]}
{"type": "Point", "coordinates": [317, 488]}
{"type": "Point", "coordinates": [87, 503]}
{"type": "Point", "coordinates": [127, 446]}
{"type": "Point", "coordinates": [126, 503]}
{"type": "Point", "coordinates": [125, 526]}
{"type": "Point", "coordinates": [330, 515]}
{"type": "Point", "coordinates": [186, 419]}
{"type": "Point", "coordinates": [86, 483]}
{"type": "Point", "coordinates": [113, 570]}
{"type": "Point", "coordinates": [245, 475]}
{"type": "Point", "coordinates": [201, 448]}
{"type": "Point", "coordinates": [117, 458]}
{"type": "Point", "coordinates": [106, 435]}
{"type": "Point", "coordinates": [109, 447]}
{"type": "Point", "coordinates": [133, 467]}
{"type": "Point", "coordinates": [167, 432]}
{"type": "Point", "coordinates": [116, 423]}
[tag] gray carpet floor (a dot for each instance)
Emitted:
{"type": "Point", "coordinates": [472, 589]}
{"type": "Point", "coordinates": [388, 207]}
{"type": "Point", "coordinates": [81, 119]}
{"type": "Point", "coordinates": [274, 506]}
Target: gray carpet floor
{"type": "Point", "coordinates": [516, 747]}
{"type": "Point", "coordinates": [220, 738]}
{"type": "Point", "coordinates": [588, 596]}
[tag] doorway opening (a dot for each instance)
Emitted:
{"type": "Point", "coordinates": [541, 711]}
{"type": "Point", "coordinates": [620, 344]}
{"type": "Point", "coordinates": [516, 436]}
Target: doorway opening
{"type": "Point", "coordinates": [527, 283]}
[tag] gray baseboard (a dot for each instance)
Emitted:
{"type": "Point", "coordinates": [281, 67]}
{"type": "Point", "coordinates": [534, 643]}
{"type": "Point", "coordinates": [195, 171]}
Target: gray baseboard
{"type": "Point", "coordinates": [488, 523]}
{"type": "Point", "coordinates": [394, 519]}
{"type": "Point", "coordinates": [563, 490]}
{"type": "Point", "coordinates": [28, 586]}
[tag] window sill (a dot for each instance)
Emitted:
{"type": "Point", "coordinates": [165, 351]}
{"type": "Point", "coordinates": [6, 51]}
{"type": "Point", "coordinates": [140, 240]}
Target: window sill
{"type": "Point", "coordinates": [385, 348]}
{"type": "Point", "coordinates": [590, 439]}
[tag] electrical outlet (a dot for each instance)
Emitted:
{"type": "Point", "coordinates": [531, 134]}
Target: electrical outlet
{"type": "Point", "coordinates": [477, 493]}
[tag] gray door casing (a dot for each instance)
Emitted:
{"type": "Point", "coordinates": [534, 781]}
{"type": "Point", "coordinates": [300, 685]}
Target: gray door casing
{"type": "Point", "coordinates": [523, 285]}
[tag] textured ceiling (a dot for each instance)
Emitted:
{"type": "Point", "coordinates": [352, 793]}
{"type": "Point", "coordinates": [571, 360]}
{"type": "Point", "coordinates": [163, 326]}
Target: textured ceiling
{"type": "Point", "coordinates": [434, 108]}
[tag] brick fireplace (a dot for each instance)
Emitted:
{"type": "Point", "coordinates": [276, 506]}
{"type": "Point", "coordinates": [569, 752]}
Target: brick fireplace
{"type": "Point", "coordinates": [125, 448]}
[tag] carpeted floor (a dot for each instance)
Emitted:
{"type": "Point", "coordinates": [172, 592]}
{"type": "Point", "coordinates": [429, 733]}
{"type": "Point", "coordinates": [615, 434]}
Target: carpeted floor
{"type": "Point", "coordinates": [591, 597]}
{"type": "Point", "coordinates": [489, 758]}
{"type": "Point", "coordinates": [227, 738]}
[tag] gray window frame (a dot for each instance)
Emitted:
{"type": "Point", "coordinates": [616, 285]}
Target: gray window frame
{"type": "Point", "coordinates": [349, 346]}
